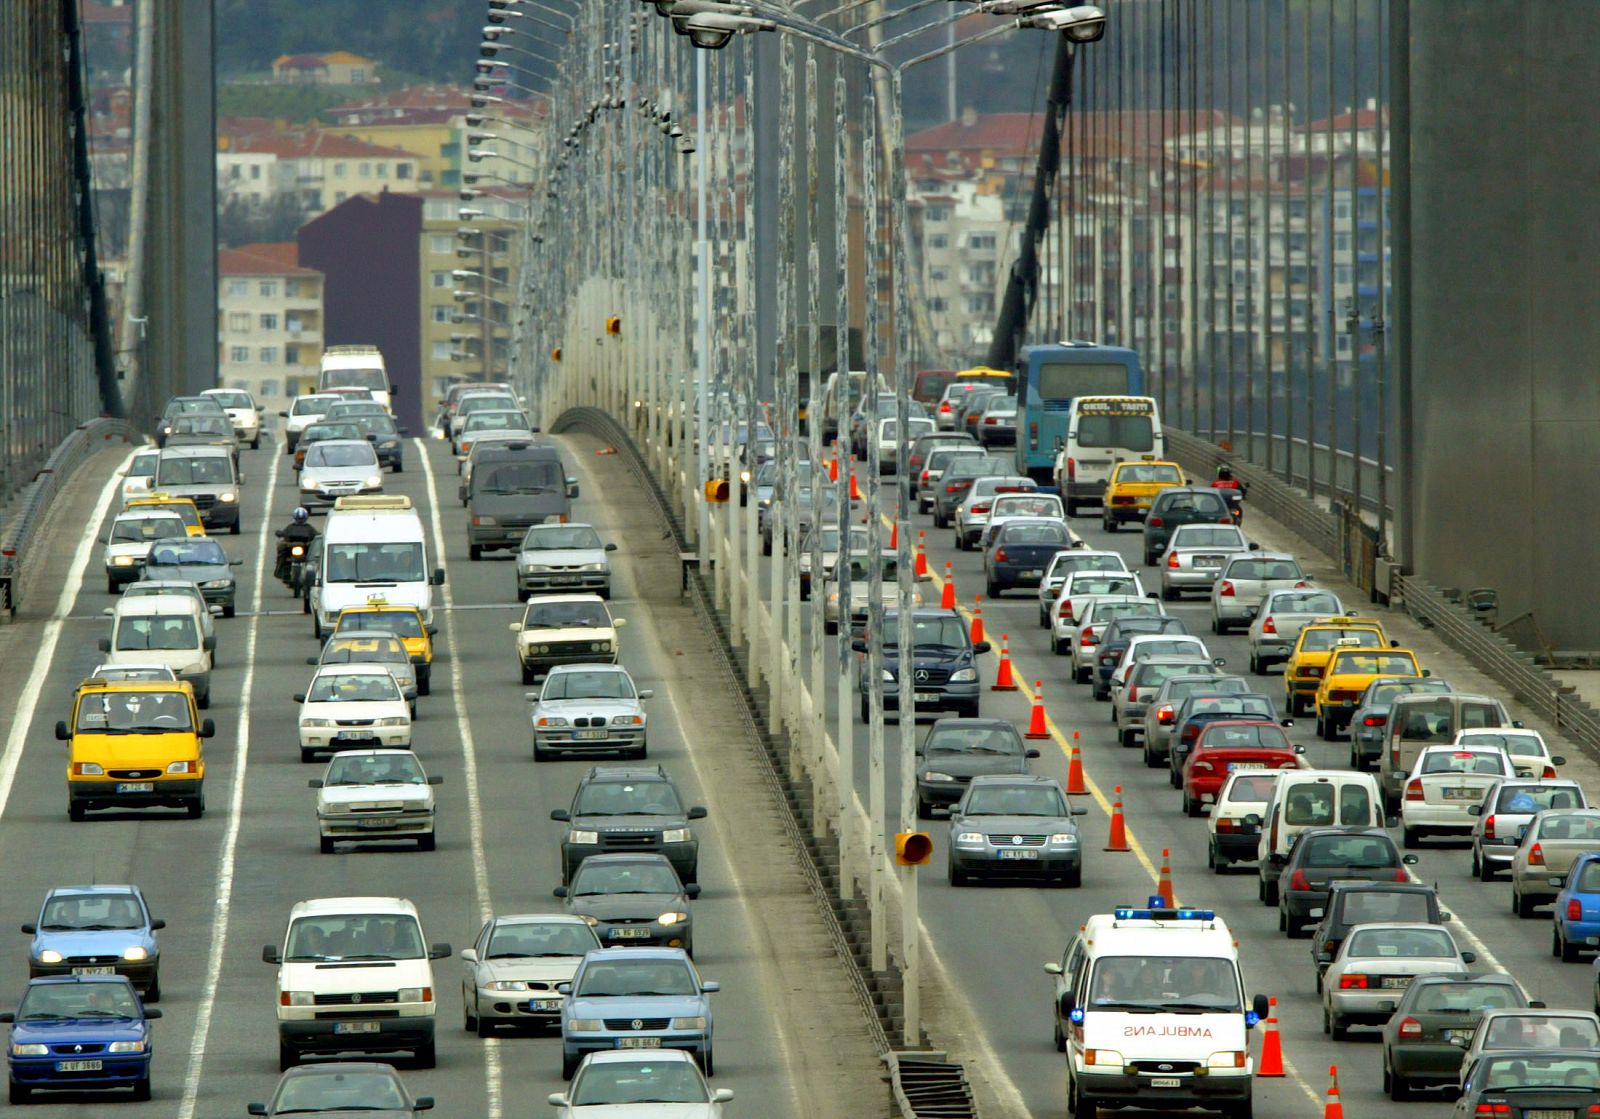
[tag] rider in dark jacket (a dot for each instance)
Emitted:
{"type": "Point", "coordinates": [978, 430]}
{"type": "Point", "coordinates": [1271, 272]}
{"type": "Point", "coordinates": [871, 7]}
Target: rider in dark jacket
{"type": "Point", "coordinates": [299, 530]}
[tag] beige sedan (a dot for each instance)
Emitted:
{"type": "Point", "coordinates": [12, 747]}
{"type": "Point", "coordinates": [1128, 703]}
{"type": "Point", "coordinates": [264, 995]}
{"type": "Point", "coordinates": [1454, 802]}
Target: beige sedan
{"type": "Point", "coordinates": [1553, 840]}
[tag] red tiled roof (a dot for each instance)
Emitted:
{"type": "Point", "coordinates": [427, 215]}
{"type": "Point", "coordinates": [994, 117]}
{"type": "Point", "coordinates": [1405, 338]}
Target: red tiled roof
{"type": "Point", "coordinates": [411, 97]}
{"type": "Point", "coordinates": [317, 144]}
{"type": "Point", "coordinates": [300, 62]}
{"type": "Point", "coordinates": [1017, 134]}
{"type": "Point", "coordinates": [267, 258]}
{"type": "Point", "coordinates": [1365, 119]}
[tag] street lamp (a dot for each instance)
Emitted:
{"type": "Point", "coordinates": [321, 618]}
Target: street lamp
{"type": "Point", "coordinates": [1082, 24]}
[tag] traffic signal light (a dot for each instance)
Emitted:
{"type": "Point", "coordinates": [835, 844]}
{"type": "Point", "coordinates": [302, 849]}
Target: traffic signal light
{"type": "Point", "coordinates": [912, 848]}
{"type": "Point", "coordinates": [555, 354]}
{"type": "Point", "coordinates": [717, 489]}
{"type": "Point", "coordinates": [614, 325]}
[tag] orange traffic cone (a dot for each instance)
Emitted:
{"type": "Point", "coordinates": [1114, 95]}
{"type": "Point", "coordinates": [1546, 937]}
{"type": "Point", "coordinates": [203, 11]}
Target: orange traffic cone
{"type": "Point", "coordinates": [833, 468]}
{"type": "Point", "coordinates": [894, 536]}
{"type": "Point", "coordinates": [1164, 882]}
{"type": "Point", "coordinates": [1075, 785]}
{"type": "Point", "coordinates": [1119, 827]}
{"type": "Point", "coordinates": [1271, 1062]}
{"type": "Point", "coordinates": [1332, 1108]}
{"type": "Point", "coordinates": [948, 600]}
{"type": "Point", "coordinates": [1003, 681]}
{"type": "Point", "coordinates": [855, 488]}
{"type": "Point", "coordinates": [922, 554]}
{"type": "Point", "coordinates": [1036, 727]}
{"type": "Point", "coordinates": [977, 618]}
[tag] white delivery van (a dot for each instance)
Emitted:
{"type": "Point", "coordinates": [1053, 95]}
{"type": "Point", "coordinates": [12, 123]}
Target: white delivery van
{"type": "Point", "coordinates": [1101, 432]}
{"type": "Point", "coordinates": [166, 629]}
{"type": "Point", "coordinates": [355, 975]}
{"type": "Point", "coordinates": [1312, 798]}
{"type": "Point", "coordinates": [1150, 1008]}
{"type": "Point", "coordinates": [356, 367]}
{"type": "Point", "coordinates": [373, 551]}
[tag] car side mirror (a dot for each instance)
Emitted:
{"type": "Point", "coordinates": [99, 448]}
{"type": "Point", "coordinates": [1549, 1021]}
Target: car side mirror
{"type": "Point", "coordinates": [858, 644]}
{"type": "Point", "coordinates": [271, 955]}
{"type": "Point", "coordinates": [1394, 644]}
{"type": "Point", "coordinates": [30, 928]}
{"type": "Point", "coordinates": [436, 779]}
{"type": "Point", "coordinates": [1469, 957]}
{"type": "Point", "coordinates": [560, 815]}
{"type": "Point", "coordinates": [314, 783]}
{"type": "Point", "coordinates": [1252, 820]}
{"type": "Point", "coordinates": [438, 577]}
{"type": "Point", "coordinates": [215, 609]}
{"type": "Point", "coordinates": [1536, 1004]}
{"type": "Point", "coordinates": [1299, 749]}
{"type": "Point", "coordinates": [559, 892]}
{"type": "Point", "coordinates": [299, 697]}
{"type": "Point", "coordinates": [313, 660]}
{"type": "Point", "coordinates": [236, 563]}
{"type": "Point", "coordinates": [1078, 810]}
{"type": "Point", "coordinates": [1557, 759]}
{"type": "Point", "coordinates": [1220, 662]}
{"type": "Point", "coordinates": [470, 955]}
{"type": "Point", "coordinates": [256, 1109]}
{"type": "Point", "coordinates": [618, 623]}
{"type": "Point", "coordinates": [424, 1103]}
{"type": "Point", "coordinates": [1286, 722]}
{"type": "Point", "coordinates": [611, 547]}
{"type": "Point", "coordinates": [1409, 860]}
{"type": "Point", "coordinates": [104, 644]}
{"type": "Point", "coordinates": [514, 627]}
{"type": "Point", "coordinates": [692, 890]}
{"type": "Point", "coordinates": [1316, 912]}
{"type": "Point", "coordinates": [563, 988]}
{"type": "Point", "coordinates": [1427, 672]}
{"type": "Point", "coordinates": [440, 950]}
{"type": "Point", "coordinates": [711, 986]}
{"type": "Point", "coordinates": [1398, 774]}
{"type": "Point", "coordinates": [556, 1099]}
{"type": "Point", "coordinates": [1153, 594]}
{"type": "Point", "coordinates": [151, 1012]}
{"type": "Point", "coordinates": [980, 648]}
{"type": "Point", "coordinates": [109, 611]}
{"type": "Point", "coordinates": [1251, 612]}
{"type": "Point", "coordinates": [209, 643]}
{"type": "Point", "coordinates": [1517, 723]}
{"type": "Point", "coordinates": [62, 733]}
{"type": "Point", "coordinates": [646, 693]}
{"type": "Point", "coordinates": [433, 631]}
{"type": "Point", "coordinates": [284, 415]}
{"type": "Point", "coordinates": [1324, 957]}
{"type": "Point", "coordinates": [722, 1095]}
{"type": "Point", "coordinates": [1461, 1042]}
{"type": "Point", "coordinates": [1028, 753]}
{"type": "Point", "coordinates": [1052, 968]}
{"type": "Point", "coordinates": [1474, 810]}
{"type": "Point", "coordinates": [698, 812]}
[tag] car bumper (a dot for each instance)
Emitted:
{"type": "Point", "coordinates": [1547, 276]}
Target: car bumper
{"type": "Point", "coordinates": [644, 934]}
{"type": "Point", "coordinates": [575, 1046]}
{"type": "Point", "coordinates": [543, 662]}
{"type": "Point", "coordinates": [324, 499]}
{"type": "Point", "coordinates": [364, 825]}
{"type": "Point", "coordinates": [1017, 575]}
{"type": "Point", "coordinates": [502, 536]}
{"type": "Point", "coordinates": [220, 596]}
{"type": "Point", "coordinates": [114, 1072]}
{"type": "Point", "coordinates": [1140, 1089]}
{"type": "Point", "coordinates": [1437, 1061]}
{"type": "Point", "coordinates": [141, 974]}
{"type": "Point", "coordinates": [1232, 612]}
{"type": "Point", "coordinates": [124, 575]}
{"type": "Point", "coordinates": [1368, 745]}
{"type": "Point", "coordinates": [1238, 846]}
{"type": "Point", "coordinates": [1499, 854]}
{"type": "Point", "coordinates": [1300, 903]}
{"type": "Point", "coordinates": [940, 794]}
{"type": "Point", "coordinates": [1365, 1006]}
{"type": "Point", "coordinates": [563, 742]}
{"type": "Point", "coordinates": [1049, 862]}
{"type": "Point", "coordinates": [945, 697]}
{"type": "Point", "coordinates": [1182, 579]}
{"type": "Point", "coordinates": [1303, 686]}
{"type": "Point", "coordinates": [1533, 887]}
{"type": "Point", "coordinates": [163, 794]}
{"type": "Point", "coordinates": [539, 582]}
{"type": "Point", "coordinates": [380, 1034]}
{"type": "Point", "coordinates": [362, 738]}
{"type": "Point", "coordinates": [1130, 716]}
{"type": "Point", "coordinates": [528, 1008]}
{"type": "Point", "coordinates": [1272, 651]}
{"type": "Point", "coordinates": [1125, 514]}
{"type": "Point", "coordinates": [1437, 817]}
{"type": "Point", "coordinates": [390, 456]}
{"type": "Point", "coordinates": [684, 857]}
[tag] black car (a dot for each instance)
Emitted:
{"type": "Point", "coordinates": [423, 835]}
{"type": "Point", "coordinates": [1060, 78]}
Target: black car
{"type": "Point", "coordinates": [1114, 642]}
{"type": "Point", "coordinates": [386, 438]}
{"type": "Point", "coordinates": [629, 809]}
{"type": "Point", "coordinates": [1197, 710]}
{"type": "Point", "coordinates": [1173, 691]}
{"type": "Point", "coordinates": [632, 900]}
{"type": "Point", "coordinates": [1353, 903]}
{"type": "Point", "coordinates": [1429, 1023]}
{"type": "Point", "coordinates": [957, 750]}
{"type": "Point", "coordinates": [925, 446]}
{"type": "Point", "coordinates": [1321, 855]}
{"type": "Point", "coordinates": [1019, 550]}
{"type": "Point", "coordinates": [944, 663]}
{"type": "Point", "coordinates": [1181, 505]}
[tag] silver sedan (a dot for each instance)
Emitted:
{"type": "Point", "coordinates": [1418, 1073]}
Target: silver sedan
{"type": "Point", "coordinates": [1195, 556]}
{"type": "Point", "coordinates": [1277, 621]}
{"type": "Point", "coordinates": [1246, 580]}
{"type": "Point", "coordinates": [589, 709]}
{"type": "Point", "coordinates": [1376, 963]}
{"type": "Point", "coordinates": [515, 966]}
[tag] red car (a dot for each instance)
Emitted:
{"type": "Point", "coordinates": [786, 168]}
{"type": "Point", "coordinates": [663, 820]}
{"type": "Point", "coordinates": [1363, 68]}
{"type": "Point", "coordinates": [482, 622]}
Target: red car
{"type": "Point", "coordinates": [1232, 744]}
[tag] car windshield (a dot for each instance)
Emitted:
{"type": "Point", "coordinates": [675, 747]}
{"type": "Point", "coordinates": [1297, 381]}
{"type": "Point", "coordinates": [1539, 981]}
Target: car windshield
{"type": "Point", "coordinates": [1154, 675]}
{"type": "Point", "coordinates": [375, 423]}
{"type": "Point", "coordinates": [1464, 761]}
{"type": "Point", "coordinates": [1192, 505]}
{"type": "Point", "coordinates": [566, 615]}
{"type": "Point", "coordinates": [83, 912]}
{"type": "Point", "coordinates": [1068, 562]}
{"type": "Point", "coordinates": [1262, 736]}
{"type": "Point", "coordinates": [594, 877]}
{"type": "Point", "coordinates": [134, 713]}
{"type": "Point", "coordinates": [1539, 1073]}
{"type": "Point", "coordinates": [1054, 535]}
{"type": "Point", "coordinates": [1304, 602]}
{"type": "Point", "coordinates": [1168, 647]}
{"type": "Point", "coordinates": [1362, 907]}
{"type": "Point", "coordinates": [353, 687]}
{"type": "Point", "coordinates": [486, 403]}
{"type": "Point", "coordinates": [926, 633]}
{"type": "Point", "coordinates": [1111, 611]}
{"type": "Point", "coordinates": [1230, 706]}
{"type": "Point", "coordinates": [627, 798]}
{"type": "Point", "coordinates": [368, 378]}
{"type": "Point", "coordinates": [137, 530]}
{"type": "Point", "coordinates": [1027, 506]}
{"type": "Point", "coordinates": [1207, 536]}
{"type": "Point", "coordinates": [1350, 851]}
{"type": "Point", "coordinates": [1181, 687]}
{"type": "Point", "coordinates": [1382, 695]}
{"type": "Point", "coordinates": [193, 470]}
{"type": "Point", "coordinates": [311, 406]}
{"type": "Point", "coordinates": [1400, 943]}
{"type": "Point", "coordinates": [1015, 800]}
{"type": "Point", "coordinates": [354, 936]}
{"type": "Point", "coordinates": [322, 432]}
{"type": "Point", "coordinates": [374, 769]}
{"type": "Point", "coordinates": [231, 399]}
{"type": "Point", "coordinates": [496, 421]}
{"type": "Point", "coordinates": [1148, 473]}
{"type": "Point", "coordinates": [1155, 983]}
{"type": "Point", "coordinates": [149, 588]}
{"type": "Point", "coordinates": [1252, 790]}
{"type": "Point", "coordinates": [528, 940]}
{"type": "Point", "coordinates": [356, 562]}
{"type": "Point", "coordinates": [599, 684]}
{"type": "Point", "coordinates": [624, 978]}
{"type": "Point", "coordinates": [1371, 662]}
{"type": "Point", "coordinates": [186, 551]}
{"type": "Point", "coordinates": [202, 425]}
{"type": "Point", "coordinates": [358, 650]}
{"type": "Point", "coordinates": [1569, 825]}
{"type": "Point", "coordinates": [561, 538]}
{"type": "Point", "coordinates": [1542, 1031]}
{"type": "Point", "coordinates": [341, 454]}
{"type": "Point", "coordinates": [1537, 797]}
{"type": "Point", "coordinates": [353, 408]}
{"type": "Point", "coordinates": [168, 632]}
{"type": "Point", "coordinates": [401, 623]}
{"type": "Point", "coordinates": [337, 1090]}
{"type": "Point", "coordinates": [1001, 740]}
{"type": "Point", "coordinates": [1251, 568]}
{"type": "Point", "coordinates": [519, 477]}
{"type": "Point", "coordinates": [1323, 638]}
{"type": "Point", "coordinates": [46, 1001]}
{"type": "Point", "coordinates": [1526, 744]}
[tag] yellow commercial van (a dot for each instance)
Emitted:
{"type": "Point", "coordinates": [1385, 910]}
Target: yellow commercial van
{"type": "Point", "coordinates": [135, 744]}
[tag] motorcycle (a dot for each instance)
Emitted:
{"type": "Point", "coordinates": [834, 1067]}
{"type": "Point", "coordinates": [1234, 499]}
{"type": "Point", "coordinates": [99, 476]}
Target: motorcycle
{"type": "Point", "coordinates": [1235, 499]}
{"type": "Point", "coordinates": [291, 564]}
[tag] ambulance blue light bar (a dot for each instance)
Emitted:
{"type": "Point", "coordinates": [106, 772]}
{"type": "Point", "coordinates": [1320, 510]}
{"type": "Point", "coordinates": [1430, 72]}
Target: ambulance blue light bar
{"type": "Point", "coordinates": [1162, 913]}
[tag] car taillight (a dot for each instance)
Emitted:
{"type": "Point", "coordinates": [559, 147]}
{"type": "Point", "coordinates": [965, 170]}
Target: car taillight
{"type": "Point", "coordinates": [1410, 1027]}
{"type": "Point", "coordinates": [1301, 585]}
{"type": "Point", "coordinates": [1536, 856]}
{"type": "Point", "coordinates": [1226, 826]}
{"type": "Point", "coordinates": [1488, 826]}
{"type": "Point", "coordinates": [1269, 626]}
{"type": "Point", "coordinates": [924, 477]}
{"type": "Point", "coordinates": [1065, 612]}
{"type": "Point", "coordinates": [1189, 733]}
{"type": "Point", "coordinates": [1164, 714]}
{"type": "Point", "coordinates": [1227, 589]}
{"type": "Point", "coordinates": [1087, 636]}
{"type": "Point", "coordinates": [1155, 522]}
{"type": "Point", "coordinates": [1228, 520]}
{"type": "Point", "coordinates": [1072, 469]}
{"type": "Point", "coordinates": [951, 488]}
{"type": "Point", "coordinates": [1549, 771]}
{"type": "Point", "coordinates": [1133, 692]}
{"type": "Point", "coordinates": [980, 508]}
{"type": "Point", "coordinates": [1400, 874]}
{"type": "Point", "coordinates": [1414, 789]}
{"type": "Point", "coordinates": [1574, 909]}
{"type": "Point", "coordinates": [1374, 720]}
{"type": "Point", "coordinates": [1172, 560]}
{"type": "Point", "coordinates": [945, 407]}
{"type": "Point", "coordinates": [1352, 982]}
{"type": "Point", "coordinates": [999, 555]}
{"type": "Point", "coordinates": [1494, 1109]}
{"type": "Point", "coordinates": [1298, 881]}
{"type": "Point", "coordinates": [991, 420]}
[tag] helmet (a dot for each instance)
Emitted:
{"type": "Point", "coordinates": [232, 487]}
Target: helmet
{"type": "Point", "coordinates": [1224, 472]}
{"type": "Point", "coordinates": [300, 515]}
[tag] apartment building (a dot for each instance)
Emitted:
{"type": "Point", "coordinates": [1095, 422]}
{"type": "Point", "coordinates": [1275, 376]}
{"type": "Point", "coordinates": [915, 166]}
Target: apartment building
{"type": "Point", "coordinates": [269, 320]}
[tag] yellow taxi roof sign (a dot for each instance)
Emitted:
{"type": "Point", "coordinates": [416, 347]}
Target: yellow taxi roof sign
{"type": "Point", "coordinates": [372, 502]}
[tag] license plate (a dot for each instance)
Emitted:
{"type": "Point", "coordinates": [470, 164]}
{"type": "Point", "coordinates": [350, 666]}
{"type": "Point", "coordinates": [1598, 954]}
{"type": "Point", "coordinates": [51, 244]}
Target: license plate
{"type": "Point", "coordinates": [136, 787]}
{"type": "Point", "coordinates": [1165, 1082]}
{"type": "Point", "coordinates": [1032, 574]}
{"type": "Point", "coordinates": [94, 970]}
{"type": "Point", "coordinates": [96, 1066]}
{"type": "Point", "coordinates": [927, 697]}
{"type": "Point", "coordinates": [640, 933]}
{"type": "Point", "coordinates": [355, 1027]}
{"type": "Point", "coordinates": [352, 736]}
{"type": "Point", "coordinates": [1452, 1035]}
{"type": "Point", "coordinates": [1548, 1113]}
{"type": "Point", "coordinates": [377, 822]}
{"type": "Point", "coordinates": [1461, 794]}
{"type": "Point", "coordinates": [1246, 765]}
{"type": "Point", "coordinates": [544, 1004]}
{"type": "Point", "coordinates": [588, 734]}
{"type": "Point", "coordinates": [638, 1043]}
{"type": "Point", "coordinates": [1018, 853]}
{"type": "Point", "coordinates": [1395, 982]}
{"type": "Point", "coordinates": [564, 580]}
{"type": "Point", "coordinates": [1208, 561]}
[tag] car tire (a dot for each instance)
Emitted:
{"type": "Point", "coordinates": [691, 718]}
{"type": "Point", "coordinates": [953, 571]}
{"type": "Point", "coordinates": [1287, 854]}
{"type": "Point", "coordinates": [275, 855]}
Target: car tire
{"type": "Point", "coordinates": [427, 842]}
{"type": "Point", "coordinates": [1241, 1109]}
{"type": "Point", "coordinates": [540, 755]}
{"type": "Point", "coordinates": [1193, 806]}
{"type": "Point", "coordinates": [1150, 761]}
{"type": "Point", "coordinates": [1255, 666]}
{"type": "Point", "coordinates": [1269, 893]}
{"type": "Point", "coordinates": [229, 611]}
{"type": "Point", "coordinates": [325, 844]}
{"type": "Point", "coordinates": [1398, 1087]}
{"type": "Point", "coordinates": [196, 807]}
{"type": "Point", "coordinates": [287, 1057]}
{"type": "Point", "coordinates": [426, 1056]}
{"type": "Point", "coordinates": [399, 466]}
{"type": "Point", "coordinates": [1073, 878]}
{"type": "Point", "coordinates": [1486, 870]}
{"type": "Point", "coordinates": [255, 444]}
{"type": "Point", "coordinates": [1127, 738]}
{"type": "Point", "coordinates": [153, 992]}
{"type": "Point", "coordinates": [469, 1020]}
{"type": "Point", "coordinates": [308, 753]}
{"type": "Point", "coordinates": [1409, 838]}
{"type": "Point", "coordinates": [1061, 1038]}
{"type": "Point", "coordinates": [203, 700]}
{"type": "Point", "coordinates": [1108, 524]}
{"type": "Point", "coordinates": [958, 877]}
{"type": "Point", "coordinates": [76, 811]}
{"type": "Point", "coordinates": [924, 810]}
{"type": "Point", "coordinates": [830, 628]}
{"type": "Point", "coordinates": [527, 674]}
{"type": "Point", "coordinates": [474, 552]}
{"type": "Point", "coordinates": [1521, 906]}
{"type": "Point", "coordinates": [141, 1090]}
{"type": "Point", "coordinates": [1174, 777]}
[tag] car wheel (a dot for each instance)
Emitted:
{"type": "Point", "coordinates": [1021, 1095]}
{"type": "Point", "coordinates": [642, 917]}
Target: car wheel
{"type": "Point", "coordinates": [1169, 595]}
{"type": "Point", "coordinates": [527, 674]}
{"type": "Point", "coordinates": [325, 844]}
{"type": "Point", "coordinates": [287, 1057]}
{"type": "Point", "coordinates": [230, 610]}
{"type": "Point", "coordinates": [1330, 729]}
{"type": "Point", "coordinates": [992, 588]}
{"type": "Point", "coordinates": [540, 755]}
{"type": "Point", "coordinates": [1149, 758]}
{"type": "Point", "coordinates": [958, 877]}
{"type": "Point", "coordinates": [426, 1056]}
{"type": "Point", "coordinates": [1073, 878]}
{"type": "Point", "coordinates": [153, 992]}
{"type": "Point", "coordinates": [1271, 893]}
{"type": "Point", "coordinates": [1521, 906]}
{"type": "Point", "coordinates": [1409, 838]}
{"type": "Point", "coordinates": [469, 1020]}
{"type": "Point", "coordinates": [1128, 738]}
{"type": "Point", "coordinates": [830, 628]}
{"type": "Point", "coordinates": [1193, 806]}
{"type": "Point", "coordinates": [1486, 870]}
{"type": "Point", "coordinates": [196, 808]}
{"type": "Point", "coordinates": [1108, 524]}
{"type": "Point", "coordinates": [308, 753]}
{"type": "Point", "coordinates": [1255, 665]}
{"type": "Point", "coordinates": [1243, 1109]}
{"type": "Point", "coordinates": [1283, 920]}
{"type": "Point", "coordinates": [20, 1093]}
{"type": "Point", "coordinates": [427, 842]}
{"type": "Point", "coordinates": [482, 1026]}
{"type": "Point", "coordinates": [255, 444]}
{"type": "Point", "coordinates": [1061, 1038]}
{"type": "Point", "coordinates": [924, 810]}
{"type": "Point", "coordinates": [474, 552]}
{"type": "Point", "coordinates": [399, 466]}
{"type": "Point", "coordinates": [1174, 778]}
{"type": "Point", "coordinates": [1397, 1086]}
{"type": "Point", "coordinates": [141, 1090]}
{"type": "Point", "coordinates": [203, 701]}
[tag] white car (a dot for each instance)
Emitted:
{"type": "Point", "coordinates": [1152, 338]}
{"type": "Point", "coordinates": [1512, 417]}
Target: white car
{"type": "Point", "coordinates": [565, 629]}
{"type": "Point", "coordinates": [1094, 617]}
{"type": "Point", "coordinates": [515, 967]}
{"type": "Point", "coordinates": [1278, 620]}
{"type": "Point", "coordinates": [1063, 564]}
{"type": "Point", "coordinates": [139, 479]}
{"type": "Point", "coordinates": [1233, 829]}
{"type": "Point", "coordinates": [1076, 592]}
{"type": "Point", "coordinates": [208, 611]}
{"type": "Point", "coordinates": [351, 707]}
{"type": "Point", "coordinates": [888, 438]}
{"type": "Point", "coordinates": [128, 543]}
{"type": "Point", "coordinates": [563, 557]}
{"type": "Point", "coordinates": [972, 514]}
{"type": "Point", "coordinates": [305, 411]}
{"type": "Point", "coordinates": [631, 1084]}
{"type": "Point", "coordinates": [369, 795]}
{"type": "Point", "coordinates": [243, 412]}
{"type": "Point", "coordinates": [1374, 966]}
{"type": "Point", "coordinates": [1146, 645]}
{"type": "Point", "coordinates": [1444, 785]}
{"type": "Point", "coordinates": [336, 468]}
{"type": "Point", "coordinates": [1526, 748]}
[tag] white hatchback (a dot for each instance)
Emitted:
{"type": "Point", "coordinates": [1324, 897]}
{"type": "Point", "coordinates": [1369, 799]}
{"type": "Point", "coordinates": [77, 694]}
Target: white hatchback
{"type": "Point", "coordinates": [352, 707]}
{"type": "Point", "coordinates": [1065, 563]}
{"type": "Point", "coordinates": [1526, 748]}
{"type": "Point", "coordinates": [1444, 785]}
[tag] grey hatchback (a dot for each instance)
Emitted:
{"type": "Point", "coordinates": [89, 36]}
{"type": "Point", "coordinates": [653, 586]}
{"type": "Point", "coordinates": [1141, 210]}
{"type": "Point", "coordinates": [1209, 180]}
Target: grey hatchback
{"type": "Point", "coordinates": [957, 750]}
{"type": "Point", "coordinates": [1181, 505]}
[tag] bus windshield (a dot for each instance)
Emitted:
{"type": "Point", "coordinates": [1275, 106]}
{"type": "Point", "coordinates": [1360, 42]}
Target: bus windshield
{"type": "Point", "coordinates": [1065, 380]}
{"type": "Point", "coordinates": [1131, 433]}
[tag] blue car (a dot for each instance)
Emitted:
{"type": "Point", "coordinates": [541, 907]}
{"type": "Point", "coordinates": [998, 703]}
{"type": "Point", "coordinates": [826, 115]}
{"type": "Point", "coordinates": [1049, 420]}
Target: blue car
{"type": "Point", "coordinates": [73, 1033]}
{"type": "Point", "coordinates": [97, 930]}
{"type": "Point", "coordinates": [1020, 550]}
{"type": "Point", "coordinates": [1577, 909]}
{"type": "Point", "coordinates": [635, 998]}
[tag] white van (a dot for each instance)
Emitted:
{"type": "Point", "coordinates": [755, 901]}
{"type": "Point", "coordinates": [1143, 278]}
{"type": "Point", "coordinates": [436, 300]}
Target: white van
{"type": "Point", "coordinates": [1149, 1006]}
{"type": "Point", "coordinates": [840, 395]}
{"type": "Point", "coordinates": [373, 550]}
{"type": "Point", "coordinates": [356, 367]}
{"type": "Point", "coordinates": [165, 629]}
{"type": "Point", "coordinates": [1312, 798]}
{"type": "Point", "coordinates": [1101, 432]}
{"type": "Point", "coordinates": [329, 1003]}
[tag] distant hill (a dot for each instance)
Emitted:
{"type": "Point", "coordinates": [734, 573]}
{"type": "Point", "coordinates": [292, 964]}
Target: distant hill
{"type": "Point", "coordinates": [432, 39]}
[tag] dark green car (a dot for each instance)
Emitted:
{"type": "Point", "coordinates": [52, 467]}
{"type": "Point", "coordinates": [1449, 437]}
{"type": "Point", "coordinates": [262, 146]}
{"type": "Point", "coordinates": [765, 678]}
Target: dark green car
{"type": "Point", "coordinates": [1432, 1021]}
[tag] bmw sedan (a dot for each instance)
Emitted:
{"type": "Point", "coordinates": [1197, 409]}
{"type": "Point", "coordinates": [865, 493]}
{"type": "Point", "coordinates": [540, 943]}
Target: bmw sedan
{"type": "Point", "coordinates": [589, 709]}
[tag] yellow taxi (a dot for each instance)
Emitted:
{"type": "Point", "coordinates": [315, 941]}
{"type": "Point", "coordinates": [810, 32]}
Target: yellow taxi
{"type": "Point", "coordinates": [1345, 678]}
{"type": "Point", "coordinates": [135, 744]}
{"type": "Point", "coordinates": [1132, 489]}
{"type": "Point", "coordinates": [1302, 672]}
{"type": "Point", "coordinates": [405, 622]}
{"type": "Point", "coordinates": [183, 506]}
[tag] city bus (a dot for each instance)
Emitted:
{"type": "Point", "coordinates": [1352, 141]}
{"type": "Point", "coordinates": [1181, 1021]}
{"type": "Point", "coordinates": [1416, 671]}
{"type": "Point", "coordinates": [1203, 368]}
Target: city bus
{"type": "Point", "coordinates": [1049, 378]}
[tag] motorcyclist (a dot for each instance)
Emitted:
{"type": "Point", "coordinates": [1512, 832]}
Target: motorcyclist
{"type": "Point", "coordinates": [300, 531]}
{"type": "Point", "coordinates": [1232, 489]}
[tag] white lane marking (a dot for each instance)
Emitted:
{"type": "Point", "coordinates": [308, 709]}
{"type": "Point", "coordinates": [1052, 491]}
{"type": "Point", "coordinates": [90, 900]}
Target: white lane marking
{"type": "Point", "coordinates": [228, 859]}
{"type": "Point", "coordinates": [469, 766]}
{"type": "Point", "coordinates": [28, 698]}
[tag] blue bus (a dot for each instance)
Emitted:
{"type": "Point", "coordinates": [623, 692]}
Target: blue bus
{"type": "Point", "coordinates": [1048, 378]}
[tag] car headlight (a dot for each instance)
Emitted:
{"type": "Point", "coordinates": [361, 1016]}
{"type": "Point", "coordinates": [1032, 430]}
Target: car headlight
{"type": "Point", "coordinates": [939, 778]}
{"type": "Point", "coordinates": [541, 649]}
{"type": "Point", "coordinates": [375, 480]}
{"type": "Point", "coordinates": [316, 723]}
{"type": "Point", "coordinates": [216, 584]}
{"type": "Point", "coordinates": [593, 567]}
{"type": "Point", "coordinates": [50, 956]}
{"type": "Point", "coordinates": [228, 497]}
{"type": "Point", "coordinates": [88, 769]}
{"type": "Point", "coordinates": [588, 920]}
{"type": "Point", "coordinates": [963, 675]}
{"type": "Point", "coordinates": [394, 721]}
{"type": "Point", "coordinates": [1226, 1058]}
{"type": "Point", "coordinates": [1064, 839]}
{"type": "Point", "coordinates": [676, 835]}
{"type": "Point", "coordinates": [580, 836]}
{"type": "Point", "coordinates": [126, 1047]}
{"type": "Point", "coordinates": [175, 767]}
{"type": "Point", "coordinates": [296, 998]}
{"type": "Point", "coordinates": [124, 561]}
{"type": "Point", "coordinates": [603, 647]}
{"type": "Point", "coordinates": [1103, 1057]}
{"type": "Point", "coordinates": [508, 985]}
{"type": "Point", "coordinates": [697, 1022]}
{"type": "Point", "coordinates": [969, 837]}
{"type": "Point", "coordinates": [888, 676]}
{"type": "Point", "coordinates": [585, 1025]}
{"type": "Point", "coordinates": [482, 520]}
{"type": "Point", "coordinates": [672, 918]}
{"type": "Point", "coordinates": [536, 568]}
{"type": "Point", "coordinates": [549, 722]}
{"type": "Point", "coordinates": [628, 721]}
{"type": "Point", "coordinates": [30, 1050]}
{"type": "Point", "coordinates": [307, 482]}
{"type": "Point", "coordinates": [415, 994]}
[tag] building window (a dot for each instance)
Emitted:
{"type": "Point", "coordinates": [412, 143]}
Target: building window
{"type": "Point", "coordinates": [938, 275]}
{"type": "Point", "coordinates": [239, 322]}
{"type": "Point", "coordinates": [441, 279]}
{"type": "Point", "coordinates": [441, 312]}
{"type": "Point", "coordinates": [358, 75]}
{"type": "Point", "coordinates": [339, 196]}
{"type": "Point", "coordinates": [440, 243]}
{"type": "Point", "coordinates": [382, 170]}
{"type": "Point", "coordinates": [938, 303]}
{"type": "Point", "coordinates": [938, 241]}
{"type": "Point", "coordinates": [937, 213]}
{"type": "Point", "coordinates": [1341, 242]}
{"type": "Point", "coordinates": [441, 351]}
{"type": "Point", "coordinates": [255, 171]}
{"type": "Point", "coordinates": [402, 170]}
{"type": "Point", "coordinates": [268, 355]}
{"type": "Point", "coordinates": [981, 241]}
{"type": "Point", "coordinates": [340, 170]}
{"type": "Point", "coordinates": [291, 355]}
{"type": "Point", "coordinates": [365, 171]}
{"type": "Point", "coordinates": [981, 304]}
{"type": "Point", "coordinates": [268, 289]}
{"type": "Point", "coordinates": [269, 322]}
{"type": "Point", "coordinates": [267, 389]}
{"type": "Point", "coordinates": [239, 355]}
{"type": "Point", "coordinates": [982, 273]}
{"type": "Point", "coordinates": [238, 289]}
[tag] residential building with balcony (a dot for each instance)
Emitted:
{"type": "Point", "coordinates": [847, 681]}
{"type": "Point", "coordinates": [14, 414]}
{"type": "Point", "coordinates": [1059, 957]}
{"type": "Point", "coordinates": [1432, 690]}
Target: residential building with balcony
{"type": "Point", "coordinates": [269, 321]}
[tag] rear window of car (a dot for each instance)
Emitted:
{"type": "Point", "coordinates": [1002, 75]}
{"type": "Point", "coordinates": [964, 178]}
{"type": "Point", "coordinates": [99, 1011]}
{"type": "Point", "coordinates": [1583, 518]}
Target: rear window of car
{"type": "Point", "coordinates": [1310, 602]}
{"type": "Point", "coordinates": [1589, 879]}
{"type": "Point", "coordinates": [1401, 943]}
{"type": "Point", "coordinates": [1464, 761]}
{"type": "Point", "coordinates": [1536, 798]}
{"type": "Point", "coordinates": [1312, 805]}
{"type": "Point", "coordinates": [1320, 639]}
{"type": "Point", "coordinates": [1569, 827]}
{"type": "Point", "coordinates": [1261, 736]}
{"type": "Point", "coordinates": [1363, 906]}
{"type": "Point", "coordinates": [1205, 504]}
{"type": "Point", "coordinates": [1265, 569]}
{"type": "Point", "coordinates": [1254, 790]}
{"type": "Point", "coordinates": [1364, 851]}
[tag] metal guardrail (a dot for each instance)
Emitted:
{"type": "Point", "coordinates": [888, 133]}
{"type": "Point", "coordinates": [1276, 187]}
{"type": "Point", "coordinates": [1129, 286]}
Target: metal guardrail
{"type": "Point", "coordinates": [1283, 503]}
{"type": "Point", "coordinates": [26, 511]}
{"type": "Point", "coordinates": [927, 1086]}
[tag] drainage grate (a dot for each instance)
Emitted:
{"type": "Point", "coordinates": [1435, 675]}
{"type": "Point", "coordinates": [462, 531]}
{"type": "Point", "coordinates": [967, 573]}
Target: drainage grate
{"type": "Point", "coordinates": [926, 1086]}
